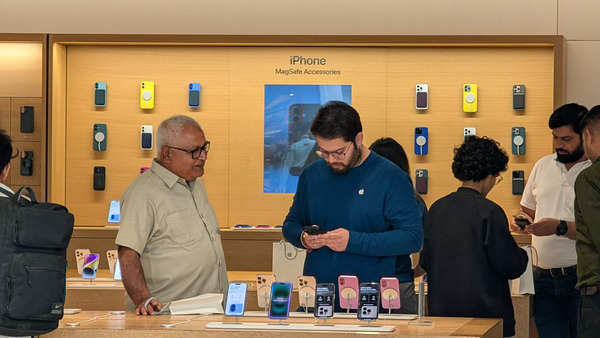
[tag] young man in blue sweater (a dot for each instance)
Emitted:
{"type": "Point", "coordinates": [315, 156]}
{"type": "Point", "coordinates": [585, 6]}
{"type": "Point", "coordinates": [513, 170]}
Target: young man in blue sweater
{"type": "Point", "coordinates": [365, 203]}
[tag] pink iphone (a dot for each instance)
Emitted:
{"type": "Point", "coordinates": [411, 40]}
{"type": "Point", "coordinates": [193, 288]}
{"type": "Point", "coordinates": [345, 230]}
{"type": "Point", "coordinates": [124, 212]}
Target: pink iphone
{"type": "Point", "coordinates": [348, 291]}
{"type": "Point", "coordinates": [390, 293]}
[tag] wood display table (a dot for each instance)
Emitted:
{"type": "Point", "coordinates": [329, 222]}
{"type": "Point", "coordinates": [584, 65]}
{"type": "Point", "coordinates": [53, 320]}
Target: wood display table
{"type": "Point", "coordinates": [130, 325]}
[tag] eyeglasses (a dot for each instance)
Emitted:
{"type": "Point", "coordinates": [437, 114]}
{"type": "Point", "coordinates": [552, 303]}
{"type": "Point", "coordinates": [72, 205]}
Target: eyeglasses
{"type": "Point", "coordinates": [197, 152]}
{"type": "Point", "coordinates": [338, 154]}
{"type": "Point", "coordinates": [498, 179]}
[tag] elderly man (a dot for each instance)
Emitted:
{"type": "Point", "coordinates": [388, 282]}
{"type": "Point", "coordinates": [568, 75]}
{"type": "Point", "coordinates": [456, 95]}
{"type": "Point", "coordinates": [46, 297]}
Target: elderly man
{"type": "Point", "coordinates": [169, 241]}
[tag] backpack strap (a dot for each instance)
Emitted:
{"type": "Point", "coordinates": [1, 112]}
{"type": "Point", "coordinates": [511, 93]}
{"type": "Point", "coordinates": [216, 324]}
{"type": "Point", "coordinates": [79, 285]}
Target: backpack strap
{"type": "Point", "coordinates": [30, 193]}
{"type": "Point", "coordinates": [6, 192]}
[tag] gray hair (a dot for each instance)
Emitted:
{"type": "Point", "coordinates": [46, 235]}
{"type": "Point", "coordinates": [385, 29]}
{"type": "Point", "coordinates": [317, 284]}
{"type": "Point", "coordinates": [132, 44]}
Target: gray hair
{"type": "Point", "coordinates": [169, 129]}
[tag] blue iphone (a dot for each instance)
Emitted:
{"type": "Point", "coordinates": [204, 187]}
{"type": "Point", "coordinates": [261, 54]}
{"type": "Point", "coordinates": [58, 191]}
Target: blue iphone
{"type": "Point", "coordinates": [236, 299]}
{"type": "Point", "coordinates": [421, 140]}
{"type": "Point", "coordinates": [281, 293]}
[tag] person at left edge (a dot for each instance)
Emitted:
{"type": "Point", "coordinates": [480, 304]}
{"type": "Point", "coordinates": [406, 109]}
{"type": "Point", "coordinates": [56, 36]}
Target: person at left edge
{"type": "Point", "coordinates": [169, 241]}
{"type": "Point", "coordinates": [365, 203]}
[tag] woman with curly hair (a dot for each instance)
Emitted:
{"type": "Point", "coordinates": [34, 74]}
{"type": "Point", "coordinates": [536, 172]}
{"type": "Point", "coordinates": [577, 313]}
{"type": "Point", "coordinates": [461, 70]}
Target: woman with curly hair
{"type": "Point", "coordinates": [468, 252]}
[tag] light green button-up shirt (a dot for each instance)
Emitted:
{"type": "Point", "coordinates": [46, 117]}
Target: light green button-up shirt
{"type": "Point", "coordinates": [173, 227]}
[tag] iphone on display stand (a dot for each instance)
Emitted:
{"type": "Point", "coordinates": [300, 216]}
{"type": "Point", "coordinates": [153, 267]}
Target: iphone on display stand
{"type": "Point", "coordinates": [368, 302]}
{"type": "Point", "coordinates": [236, 299]}
{"type": "Point", "coordinates": [281, 293]}
{"type": "Point", "coordinates": [390, 293]}
{"type": "Point", "coordinates": [348, 290]}
{"type": "Point", "coordinates": [306, 291]}
{"type": "Point", "coordinates": [324, 300]}
{"type": "Point", "coordinates": [263, 289]}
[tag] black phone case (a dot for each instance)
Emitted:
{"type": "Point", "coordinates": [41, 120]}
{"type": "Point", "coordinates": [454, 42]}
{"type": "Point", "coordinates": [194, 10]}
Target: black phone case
{"type": "Point", "coordinates": [27, 119]}
{"type": "Point", "coordinates": [99, 178]}
{"type": "Point", "coordinates": [518, 182]}
{"type": "Point", "coordinates": [27, 163]}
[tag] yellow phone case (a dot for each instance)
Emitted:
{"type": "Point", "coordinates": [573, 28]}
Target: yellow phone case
{"type": "Point", "coordinates": [147, 95]}
{"type": "Point", "coordinates": [469, 91]}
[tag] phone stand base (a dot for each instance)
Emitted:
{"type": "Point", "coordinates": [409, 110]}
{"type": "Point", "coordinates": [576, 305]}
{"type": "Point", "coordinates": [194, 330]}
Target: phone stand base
{"type": "Point", "coordinates": [421, 322]}
{"type": "Point", "coordinates": [298, 327]}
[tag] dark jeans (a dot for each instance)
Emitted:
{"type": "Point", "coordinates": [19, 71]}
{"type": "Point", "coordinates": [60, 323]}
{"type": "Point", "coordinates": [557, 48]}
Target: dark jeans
{"type": "Point", "coordinates": [589, 317]}
{"type": "Point", "coordinates": [556, 303]}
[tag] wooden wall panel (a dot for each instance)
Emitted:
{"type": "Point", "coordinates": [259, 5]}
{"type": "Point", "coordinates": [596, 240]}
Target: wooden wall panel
{"type": "Point", "coordinates": [21, 69]}
{"type": "Point", "coordinates": [495, 71]}
{"type": "Point", "coordinates": [123, 68]}
{"type": "Point", "coordinates": [5, 114]}
{"type": "Point", "coordinates": [233, 78]}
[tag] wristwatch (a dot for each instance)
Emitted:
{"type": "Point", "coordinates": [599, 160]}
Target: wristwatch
{"type": "Point", "coordinates": [562, 228]}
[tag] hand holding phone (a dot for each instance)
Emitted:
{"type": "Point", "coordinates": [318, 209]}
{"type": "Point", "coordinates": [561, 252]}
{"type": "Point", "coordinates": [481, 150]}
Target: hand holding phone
{"type": "Point", "coordinates": [313, 230]}
{"type": "Point", "coordinates": [520, 222]}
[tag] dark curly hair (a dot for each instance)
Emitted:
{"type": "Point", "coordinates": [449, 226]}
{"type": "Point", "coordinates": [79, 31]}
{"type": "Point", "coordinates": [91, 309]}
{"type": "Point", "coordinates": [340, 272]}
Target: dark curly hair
{"type": "Point", "coordinates": [477, 158]}
{"type": "Point", "coordinates": [336, 119]}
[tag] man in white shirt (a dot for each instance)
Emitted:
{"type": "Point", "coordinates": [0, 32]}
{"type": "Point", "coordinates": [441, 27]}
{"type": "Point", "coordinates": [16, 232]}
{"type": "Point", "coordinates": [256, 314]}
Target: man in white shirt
{"type": "Point", "coordinates": [548, 202]}
{"type": "Point", "coordinates": [6, 154]}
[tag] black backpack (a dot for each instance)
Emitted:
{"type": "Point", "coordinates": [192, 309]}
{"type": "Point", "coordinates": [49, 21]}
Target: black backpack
{"type": "Point", "coordinates": [33, 243]}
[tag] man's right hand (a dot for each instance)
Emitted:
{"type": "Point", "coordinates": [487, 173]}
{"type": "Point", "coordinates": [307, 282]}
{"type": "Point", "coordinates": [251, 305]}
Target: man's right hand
{"type": "Point", "coordinates": [513, 225]}
{"type": "Point", "coordinates": [312, 242]}
{"type": "Point", "coordinates": [153, 306]}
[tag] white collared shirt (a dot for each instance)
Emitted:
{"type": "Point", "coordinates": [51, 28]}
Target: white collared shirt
{"type": "Point", "coordinates": [550, 192]}
{"type": "Point", "coordinates": [5, 187]}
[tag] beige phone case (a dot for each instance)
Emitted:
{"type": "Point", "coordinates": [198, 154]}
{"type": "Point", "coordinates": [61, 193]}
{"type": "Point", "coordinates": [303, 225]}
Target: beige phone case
{"type": "Point", "coordinates": [306, 290]}
{"type": "Point", "coordinates": [263, 289]}
{"type": "Point", "coordinates": [80, 256]}
{"type": "Point", "coordinates": [111, 256]}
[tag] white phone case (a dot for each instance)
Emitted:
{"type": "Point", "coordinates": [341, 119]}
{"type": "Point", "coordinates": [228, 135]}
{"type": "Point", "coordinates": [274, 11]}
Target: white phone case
{"type": "Point", "coordinates": [111, 255]}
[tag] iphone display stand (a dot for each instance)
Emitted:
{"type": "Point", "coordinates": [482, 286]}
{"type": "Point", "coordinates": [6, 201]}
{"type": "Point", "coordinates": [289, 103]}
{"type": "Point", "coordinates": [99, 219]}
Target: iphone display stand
{"type": "Point", "coordinates": [420, 321]}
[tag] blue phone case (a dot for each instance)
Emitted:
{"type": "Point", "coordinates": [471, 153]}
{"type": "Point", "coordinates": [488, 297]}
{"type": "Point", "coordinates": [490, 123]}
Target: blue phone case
{"type": "Point", "coordinates": [421, 149]}
{"type": "Point", "coordinates": [194, 95]}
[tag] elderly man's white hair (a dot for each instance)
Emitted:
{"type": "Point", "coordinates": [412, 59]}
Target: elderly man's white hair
{"type": "Point", "coordinates": [169, 129]}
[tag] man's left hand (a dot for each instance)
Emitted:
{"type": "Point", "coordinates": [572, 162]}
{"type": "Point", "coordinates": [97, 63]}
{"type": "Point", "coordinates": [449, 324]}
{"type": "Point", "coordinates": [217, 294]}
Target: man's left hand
{"type": "Point", "coordinates": [336, 240]}
{"type": "Point", "coordinates": [543, 227]}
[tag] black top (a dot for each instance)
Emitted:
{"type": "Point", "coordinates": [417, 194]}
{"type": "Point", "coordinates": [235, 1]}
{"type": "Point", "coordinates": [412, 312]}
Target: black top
{"type": "Point", "coordinates": [469, 256]}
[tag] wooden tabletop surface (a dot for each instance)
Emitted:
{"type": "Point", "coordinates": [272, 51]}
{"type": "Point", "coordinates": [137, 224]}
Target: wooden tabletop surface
{"type": "Point", "coordinates": [130, 325]}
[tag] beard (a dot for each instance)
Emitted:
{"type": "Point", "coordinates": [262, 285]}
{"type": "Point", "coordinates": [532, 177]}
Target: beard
{"type": "Point", "coordinates": [345, 168]}
{"type": "Point", "coordinates": [569, 157]}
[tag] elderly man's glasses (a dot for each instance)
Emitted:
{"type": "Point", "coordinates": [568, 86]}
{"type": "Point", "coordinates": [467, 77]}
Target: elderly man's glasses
{"type": "Point", "coordinates": [338, 154]}
{"type": "Point", "coordinates": [197, 152]}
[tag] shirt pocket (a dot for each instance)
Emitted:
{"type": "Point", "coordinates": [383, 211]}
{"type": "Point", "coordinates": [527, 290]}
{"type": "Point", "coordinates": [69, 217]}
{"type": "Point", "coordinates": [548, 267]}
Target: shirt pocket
{"type": "Point", "coordinates": [183, 227]}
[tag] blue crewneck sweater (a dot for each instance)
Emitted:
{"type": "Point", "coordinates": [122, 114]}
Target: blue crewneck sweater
{"type": "Point", "coordinates": [375, 202]}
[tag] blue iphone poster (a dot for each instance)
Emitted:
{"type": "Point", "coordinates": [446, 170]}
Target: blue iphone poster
{"type": "Point", "coordinates": [289, 146]}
